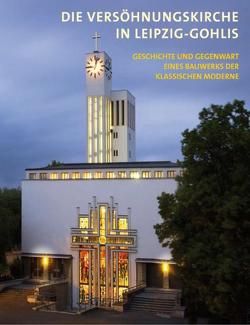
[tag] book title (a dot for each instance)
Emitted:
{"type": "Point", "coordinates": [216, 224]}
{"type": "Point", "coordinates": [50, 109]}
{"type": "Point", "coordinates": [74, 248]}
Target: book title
{"type": "Point", "coordinates": [166, 24]}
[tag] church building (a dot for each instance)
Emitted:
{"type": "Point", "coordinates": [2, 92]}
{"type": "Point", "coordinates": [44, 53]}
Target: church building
{"type": "Point", "coordinates": [93, 223]}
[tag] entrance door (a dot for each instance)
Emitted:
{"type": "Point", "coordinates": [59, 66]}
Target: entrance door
{"type": "Point", "coordinates": [154, 275]}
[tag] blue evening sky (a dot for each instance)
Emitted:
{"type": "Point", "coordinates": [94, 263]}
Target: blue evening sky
{"type": "Point", "coordinates": [42, 95]}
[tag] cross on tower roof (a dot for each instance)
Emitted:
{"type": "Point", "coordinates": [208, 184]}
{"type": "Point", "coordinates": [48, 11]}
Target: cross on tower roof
{"type": "Point", "coordinates": [96, 37]}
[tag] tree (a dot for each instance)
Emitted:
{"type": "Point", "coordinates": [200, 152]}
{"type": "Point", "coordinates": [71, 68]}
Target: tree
{"type": "Point", "coordinates": [206, 223]}
{"type": "Point", "coordinates": [10, 220]}
{"type": "Point", "coordinates": [54, 163]}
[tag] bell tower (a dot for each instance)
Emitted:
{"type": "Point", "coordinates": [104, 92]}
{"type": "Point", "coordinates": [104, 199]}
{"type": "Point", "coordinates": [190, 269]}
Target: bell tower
{"type": "Point", "coordinates": [110, 114]}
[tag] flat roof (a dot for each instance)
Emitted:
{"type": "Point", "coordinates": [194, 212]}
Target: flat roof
{"type": "Point", "coordinates": [120, 165]}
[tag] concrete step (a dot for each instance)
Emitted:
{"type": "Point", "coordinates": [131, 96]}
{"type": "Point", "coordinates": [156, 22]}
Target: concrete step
{"type": "Point", "coordinates": [152, 306]}
{"type": "Point", "coordinates": [161, 301]}
{"type": "Point", "coordinates": [155, 300]}
{"type": "Point", "coordinates": [155, 305]}
{"type": "Point", "coordinates": [151, 309]}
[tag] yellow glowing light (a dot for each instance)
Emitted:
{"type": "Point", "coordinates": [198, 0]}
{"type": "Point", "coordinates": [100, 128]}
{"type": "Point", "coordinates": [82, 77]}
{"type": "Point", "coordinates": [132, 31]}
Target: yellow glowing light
{"type": "Point", "coordinates": [102, 240]}
{"type": "Point", "coordinates": [165, 267]}
{"type": "Point", "coordinates": [45, 261]}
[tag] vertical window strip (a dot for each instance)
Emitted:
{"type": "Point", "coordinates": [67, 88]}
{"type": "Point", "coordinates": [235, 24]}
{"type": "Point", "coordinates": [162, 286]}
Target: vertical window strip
{"type": "Point", "coordinates": [117, 113]}
{"type": "Point", "coordinates": [123, 113]}
{"type": "Point", "coordinates": [100, 130]}
{"type": "Point", "coordinates": [90, 129]}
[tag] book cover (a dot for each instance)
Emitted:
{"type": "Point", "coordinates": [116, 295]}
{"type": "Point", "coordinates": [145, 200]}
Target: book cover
{"type": "Point", "coordinates": [124, 166]}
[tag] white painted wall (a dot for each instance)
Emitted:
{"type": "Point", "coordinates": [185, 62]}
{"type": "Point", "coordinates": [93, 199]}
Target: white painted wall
{"type": "Point", "coordinates": [49, 211]}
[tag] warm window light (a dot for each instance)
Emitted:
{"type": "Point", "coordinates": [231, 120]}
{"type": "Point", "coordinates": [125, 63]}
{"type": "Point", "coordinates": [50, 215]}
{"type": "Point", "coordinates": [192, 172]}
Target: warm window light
{"type": "Point", "coordinates": [45, 261]}
{"type": "Point", "coordinates": [165, 267]}
{"type": "Point", "coordinates": [135, 175]}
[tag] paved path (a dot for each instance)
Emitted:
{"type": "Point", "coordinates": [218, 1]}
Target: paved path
{"type": "Point", "coordinates": [15, 310]}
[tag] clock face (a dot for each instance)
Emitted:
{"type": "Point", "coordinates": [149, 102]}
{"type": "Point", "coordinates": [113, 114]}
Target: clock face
{"type": "Point", "coordinates": [108, 69]}
{"type": "Point", "coordinates": [95, 66]}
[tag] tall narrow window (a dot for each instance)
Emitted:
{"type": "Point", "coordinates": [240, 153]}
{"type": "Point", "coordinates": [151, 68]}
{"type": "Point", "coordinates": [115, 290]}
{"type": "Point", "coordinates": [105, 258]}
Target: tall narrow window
{"type": "Point", "coordinates": [117, 112]}
{"type": "Point", "coordinates": [112, 113]}
{"type": "Point", "coordinates": [123, 112]}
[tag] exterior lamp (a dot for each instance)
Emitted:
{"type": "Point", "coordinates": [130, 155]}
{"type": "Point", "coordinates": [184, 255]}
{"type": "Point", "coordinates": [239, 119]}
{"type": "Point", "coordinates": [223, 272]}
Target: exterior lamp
{"type": "Point", "coordinates": [165, 268]}
{"type": "Point", "coordinates": [45, 261]}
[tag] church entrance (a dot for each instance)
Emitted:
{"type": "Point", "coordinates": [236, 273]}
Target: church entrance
{"type": "Point", "coordinates": [154, 275]}
{"type": "Point", "coordinates": [105, 242]}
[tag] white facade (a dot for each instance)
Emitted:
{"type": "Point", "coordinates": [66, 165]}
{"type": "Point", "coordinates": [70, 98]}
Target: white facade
{"type": "Point", "coordinates": [49, 210]}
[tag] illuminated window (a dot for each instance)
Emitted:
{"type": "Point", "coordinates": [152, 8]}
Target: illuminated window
{"type": "Point", "coordinates": [98, 175]}
{"type": "Point", "coordinates": [53, 176]}
{"type": "Point", "coordinates": [102, 217]}
{"type": "Point", "coordinates": [122, 174]}
{"type": "Point", "coordinates": [65, 175]}
{"type": "Point", "coordinates": [158, 174]}
{"type": "Point", "coordinates": [145, 174]}
{"type": "Point", "coordinates": [122, 223]}
{"type": "Point", "coordinates": [86, 175]}
{"type": "Point", "coordinates": [32, 175]}
{"type": "Point", "coordinates": [84, 276]}
{"type": "Point", "coordinates": [134, 175]}
{"type": "Point", "coordinates": [84, 222]}
{"type": "Point", "coordinates": [76, 175]}
{"type": "Point", "coordinates": [117, 112]}
{"type": "Point", "coordinates": [112, 113]}
{"type": "Point", "coordinates": [90, 129]}
{"type": "Point", "coordinates": [171, 173]}
{"type": "Point", "coordinates": [43, 175]}
{"type": "Point", "coordinates": [110, 175]}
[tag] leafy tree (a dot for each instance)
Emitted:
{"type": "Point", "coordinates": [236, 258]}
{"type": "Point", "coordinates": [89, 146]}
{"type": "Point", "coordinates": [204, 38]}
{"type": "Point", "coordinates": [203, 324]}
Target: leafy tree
{"type": "Point", "coordinates": [10, 220]}
{"type": "Point", "coordinates": [206, 223]}
{"type": "Point", "coordinates": [54, 163]}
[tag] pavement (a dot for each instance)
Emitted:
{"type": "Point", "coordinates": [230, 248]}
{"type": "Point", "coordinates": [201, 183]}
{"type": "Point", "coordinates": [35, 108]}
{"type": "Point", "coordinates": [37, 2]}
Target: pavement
{"type": "Point", "coordinates": [15, 310]}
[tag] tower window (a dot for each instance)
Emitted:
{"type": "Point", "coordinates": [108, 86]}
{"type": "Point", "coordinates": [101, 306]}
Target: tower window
{"type": "Point", "coordinates": [116, 153]}
{"type": "Point", "coordinates": [123, 112]}
{"type": "Point", "coordinates": [117, 112]}
{"type": "Point", "coordinates": [112, 113]}
{"type": "Point", "coordinates": [115, 135]}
